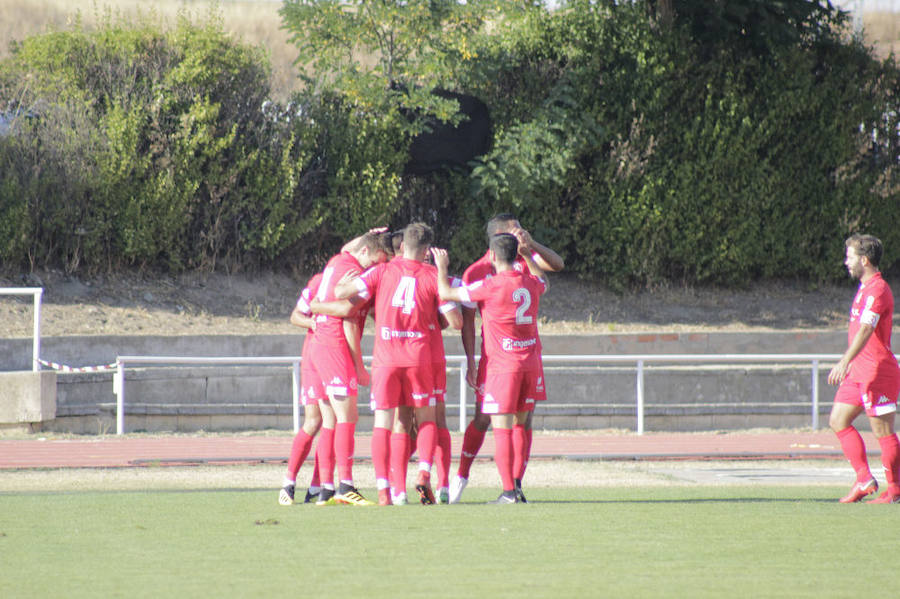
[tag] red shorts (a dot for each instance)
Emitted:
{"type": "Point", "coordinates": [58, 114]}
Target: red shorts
{"type": "Point", "coordinates": [877, 401]}
{"type": "Point", "coordinates": [394, 386]}
{"type": "Point", "coordinates": [311, 387]}
{"type": "Point", "coordinates": [439, 380]}
{"type": "Point", "coordinates": [333, 365]}
{"type": "Point", "coordinates": [511, 392]}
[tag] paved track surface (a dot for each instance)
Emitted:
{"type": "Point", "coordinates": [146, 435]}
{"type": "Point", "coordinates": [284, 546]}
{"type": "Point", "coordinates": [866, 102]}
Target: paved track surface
{"type": "Point", "coordinates": [141, 450]}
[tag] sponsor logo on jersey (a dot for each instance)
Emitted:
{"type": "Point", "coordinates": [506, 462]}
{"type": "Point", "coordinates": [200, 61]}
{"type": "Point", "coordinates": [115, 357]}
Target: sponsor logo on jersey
{"type": "Point", "coordinates": [516, 344]}
{"type": "Point", "coordinates": [387, 334]}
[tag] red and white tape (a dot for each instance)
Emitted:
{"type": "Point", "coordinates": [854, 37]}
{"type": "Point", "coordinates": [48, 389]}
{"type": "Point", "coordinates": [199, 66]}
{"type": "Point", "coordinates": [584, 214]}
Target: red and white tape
{"type": "Point", "coordinates": [64, 368]}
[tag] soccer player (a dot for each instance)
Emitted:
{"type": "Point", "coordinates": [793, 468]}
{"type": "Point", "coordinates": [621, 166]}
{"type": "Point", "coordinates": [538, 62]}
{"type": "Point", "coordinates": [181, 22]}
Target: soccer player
{"type": "Point", "coordinates": [338, 364]}
{"type": "Point", "coordinates": [547, 260]}
{"type": "Point", "coordinates": [868, 374]}
{"type": "Point", "coordinates": [513, 379]}
{"type": "Point", "coordinates": [450, 316]}
{"type": "Point", "coordinates": [406, 315]}
{"type": "Point", "coordinates": [311, 391]}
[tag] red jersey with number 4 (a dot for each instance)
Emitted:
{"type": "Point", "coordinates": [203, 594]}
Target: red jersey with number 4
{"type": "Point", "coordinates": [330, 329]}
{"type": "Point", "coordinates": [406, 311]}
{"type": "Point", "coordinates": [873, 305]}
{"type": "Point", "coordinates": [509, 311]}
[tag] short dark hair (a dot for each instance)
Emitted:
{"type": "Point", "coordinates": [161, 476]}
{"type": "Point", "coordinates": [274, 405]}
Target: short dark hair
{"type": "Point", "coordinates": [396, 240]}
{"type": "Point", "coordinates": [494, 225]}
{"type": "Point", "coordinates": [417, 236]}
{"type": "Point", "coordinates": [505, 247]}
{"type": "Point", "coordinates": [866, 245]}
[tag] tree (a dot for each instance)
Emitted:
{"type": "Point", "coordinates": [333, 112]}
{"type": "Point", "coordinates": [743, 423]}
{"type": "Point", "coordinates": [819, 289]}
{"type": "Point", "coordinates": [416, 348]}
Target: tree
{"type": "Point", "coordinates": [388, 55]}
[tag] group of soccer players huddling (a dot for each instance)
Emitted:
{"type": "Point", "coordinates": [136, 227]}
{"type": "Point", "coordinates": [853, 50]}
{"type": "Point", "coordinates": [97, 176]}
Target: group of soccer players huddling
{"type": "Point", "coordinates": [412, 301]}
{"type": "Point", "coordinates": [388, 275]}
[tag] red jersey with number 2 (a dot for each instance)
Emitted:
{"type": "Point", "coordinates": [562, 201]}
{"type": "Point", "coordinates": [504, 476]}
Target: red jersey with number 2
{"type": "Point", "coordinates": [509, 312]}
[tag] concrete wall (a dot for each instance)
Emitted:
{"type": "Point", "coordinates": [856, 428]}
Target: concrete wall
{"type": "Point", "coordinates": [27, 399]}
{"type": "Point", "coordinates": [581, 396]}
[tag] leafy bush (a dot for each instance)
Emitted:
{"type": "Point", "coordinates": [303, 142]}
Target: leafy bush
{"type": "Point", "coordinates": [647, 154]}
{"type": "Point", "coordinates": [643, 147]}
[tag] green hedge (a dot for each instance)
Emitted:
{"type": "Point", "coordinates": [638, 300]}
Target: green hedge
{"type": "Point", "coordinates": [640, 150]}
{"type": "Point", "coordinates": [650, 156]}
{"type": "Point", "coordinates": [158, 148]}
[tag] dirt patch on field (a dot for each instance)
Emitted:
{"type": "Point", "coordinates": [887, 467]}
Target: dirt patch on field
{"type": "Point", "coordinates": [194, 304]}
{"type": "Point", "coordinates": [541, 474]}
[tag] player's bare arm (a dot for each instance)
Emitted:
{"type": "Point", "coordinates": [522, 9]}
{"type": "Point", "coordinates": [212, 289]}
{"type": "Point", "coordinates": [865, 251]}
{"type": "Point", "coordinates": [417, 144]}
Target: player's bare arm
{"type": "Point", "coordinates": [842, 368]}
{"type": "Point", "coordinates": [445, 291]}
{"type": "Point", "coordinates": [351, 245]}
{"type": "Point", "coordinates": [525, 250]}
{"type": "Point", "coordinates": [468, 342]}
{"type": "Point", "coordinates": [305, 321]}
{"type": "Point", "coordinates": [346, 286]}
{"type": "Point", "coordinates": [353, 335]}
{"type": "Point", "coordinates": [336, 308]}
{"type": "Point", "coordinates": [547, 259]}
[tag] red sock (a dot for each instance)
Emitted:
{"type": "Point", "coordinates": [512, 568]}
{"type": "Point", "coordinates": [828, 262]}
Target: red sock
{"type": "Point", "coordinates": [890, 458]}
{"type": "Point", "coordinates": [426, 441]}
{"type": "Point", "coordinates": [381, 452]}
{"type": "Point", "coordinates": [344, 444]}
{"type": "Point", "coordinates": [442, 457]}
{"type": "Point", "coordinates": [855, 450]}
{"type": "Point", "coordinates": [299, 450]}
{"type": "Point", "coordinates": [529, 435]}
{"type": "Point", "coordinates": [314, 479]}
{"type": "Point", "coordinates": [325, 456]}
{"type": "Point", "coordinates": [503, 450]}
{"type": "Point", "coordinates": [399, 461]}
{"type": "Point", "coordinates": [472, 441]}
{"type": "Point", "coordinates": [519, 444]}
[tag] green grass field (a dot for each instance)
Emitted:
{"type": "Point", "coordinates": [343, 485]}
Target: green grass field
{"type": "Point", "coordinates": [587, 542]}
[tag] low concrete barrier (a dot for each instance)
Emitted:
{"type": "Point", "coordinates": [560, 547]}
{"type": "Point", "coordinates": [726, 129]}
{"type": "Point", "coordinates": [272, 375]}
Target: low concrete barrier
{"type": "Point", "coordinates": [27, 399]}
{"type": "Point", "coordinates": [677, 398]}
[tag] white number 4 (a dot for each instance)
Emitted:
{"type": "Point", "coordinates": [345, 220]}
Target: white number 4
{"type": "Point", "coordinates": [405, 295]}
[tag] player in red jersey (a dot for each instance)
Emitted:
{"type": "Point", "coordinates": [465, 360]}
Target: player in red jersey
{"type": "Point", "coordinates": [406, 315]}
{"type": "Point", "coordinates": [547, 260]}
{"type": "Point", "coordinates": [311, 391]}
{"type": "Point", "coordinates": [338, 364]}
{"type": "Point", "coordinates": [868, 374]}
{"type": "Point", "coordinates": [451, 316]}
{"type": "Point", "coordinates": [513, 379]}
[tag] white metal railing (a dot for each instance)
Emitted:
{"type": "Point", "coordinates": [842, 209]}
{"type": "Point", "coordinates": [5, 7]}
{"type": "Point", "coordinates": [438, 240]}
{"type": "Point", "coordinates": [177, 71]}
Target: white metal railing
{"type": "Point", "coordinates": [639, 360]}
{"type": "Point", "coordinates": [38, 293]}
{"type": "Point", "coordinates": [119, 377]}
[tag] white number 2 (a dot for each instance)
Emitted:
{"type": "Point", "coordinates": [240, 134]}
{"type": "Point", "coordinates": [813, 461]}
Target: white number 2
{"type": "Point", "coordinates": [405, 295]}
{"type": "Point", "coordinates": [521, 295]}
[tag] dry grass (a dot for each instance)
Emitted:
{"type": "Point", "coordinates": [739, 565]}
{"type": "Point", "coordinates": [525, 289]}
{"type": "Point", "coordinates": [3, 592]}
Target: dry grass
{"type": "Point", "coordinates": [541, 474]}
{"type": "Point", "coordinates": [882, 30]}
{"type": "Point", "coordinates": [254, 22]}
